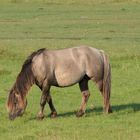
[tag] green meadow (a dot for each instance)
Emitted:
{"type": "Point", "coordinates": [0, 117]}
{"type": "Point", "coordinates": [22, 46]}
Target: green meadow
{"type": "Point", "coordinates": [110, 25]}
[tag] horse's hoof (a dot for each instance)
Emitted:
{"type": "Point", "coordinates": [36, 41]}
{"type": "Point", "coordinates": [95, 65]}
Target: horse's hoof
{"type": "Point", "coordinates": [40, 117]}
{"type": "Point", "coordinates": [80, 113]}
{"type": "Point", "coordinates": [53, 114]}
{"type": "Point", "coordinates": [108, 111]}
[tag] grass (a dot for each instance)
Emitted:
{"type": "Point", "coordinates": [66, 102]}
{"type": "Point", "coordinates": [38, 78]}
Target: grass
{"type": "Point", "coordinates": [113, 26]}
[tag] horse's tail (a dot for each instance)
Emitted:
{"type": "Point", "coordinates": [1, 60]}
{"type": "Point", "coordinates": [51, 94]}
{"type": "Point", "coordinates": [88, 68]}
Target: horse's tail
{"type": "Point", "coordinates": [106, 83]}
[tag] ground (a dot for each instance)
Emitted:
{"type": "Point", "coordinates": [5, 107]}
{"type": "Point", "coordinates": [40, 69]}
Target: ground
{"type": "Point", "coordinates": [113, 26]}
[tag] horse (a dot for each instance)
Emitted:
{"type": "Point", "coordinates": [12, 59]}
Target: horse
{"type": "Point", "coordinates": [61, 68]}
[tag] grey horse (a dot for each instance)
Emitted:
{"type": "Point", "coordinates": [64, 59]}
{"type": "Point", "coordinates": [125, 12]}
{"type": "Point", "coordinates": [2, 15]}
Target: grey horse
{"type": "Point", "coordinates": [61, 68]}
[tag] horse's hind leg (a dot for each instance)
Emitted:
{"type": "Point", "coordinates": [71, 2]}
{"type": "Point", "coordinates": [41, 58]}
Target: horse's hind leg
{"type": "Point", "coordinates": [46, 97]}
{"type": "Point", "coordinates": [107, 108]}
{"type": "Point", "coordinates": [83, 84]}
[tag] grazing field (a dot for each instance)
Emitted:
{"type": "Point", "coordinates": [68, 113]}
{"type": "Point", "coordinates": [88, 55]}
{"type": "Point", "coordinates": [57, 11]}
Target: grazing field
{"type": "Point", "coordinates": [111, 25]}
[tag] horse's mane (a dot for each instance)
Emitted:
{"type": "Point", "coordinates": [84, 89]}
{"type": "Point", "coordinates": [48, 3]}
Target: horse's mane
{"type": "Point", "coordinates": [25, 78]}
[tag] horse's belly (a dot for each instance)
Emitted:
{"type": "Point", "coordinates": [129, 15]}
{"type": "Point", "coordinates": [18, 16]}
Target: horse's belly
{"type": "Point", "coordinates": [68, 78]}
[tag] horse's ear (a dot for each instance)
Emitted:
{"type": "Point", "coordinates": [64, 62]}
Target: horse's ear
{"type": "Point", "coordinates": [17, 95]}
{"type": "Point", "coordinates": [20, 100]}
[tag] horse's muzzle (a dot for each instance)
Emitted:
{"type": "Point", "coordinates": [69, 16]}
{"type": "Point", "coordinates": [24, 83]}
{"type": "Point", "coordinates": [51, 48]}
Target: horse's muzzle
{"type": "Point", "coordinates": [12, 116]}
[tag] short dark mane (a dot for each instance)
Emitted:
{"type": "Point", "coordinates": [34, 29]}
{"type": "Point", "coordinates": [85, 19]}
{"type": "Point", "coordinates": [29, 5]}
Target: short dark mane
{"type": "Point", "coordinates": [30, 57]}
{"type": "Point", "coordinates": [25, 78]}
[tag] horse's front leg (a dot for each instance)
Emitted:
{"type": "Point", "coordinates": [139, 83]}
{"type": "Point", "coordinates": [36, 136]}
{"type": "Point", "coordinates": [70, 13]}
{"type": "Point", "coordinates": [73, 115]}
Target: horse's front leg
{"type": "Point", "coordinates": [85, 95]}
{"type": "Point", "coordinates": [52, 108]}
{"type": "Point", "coordinates": [46, 97]}
{"type": "Point", "coordinates": [43, 101]}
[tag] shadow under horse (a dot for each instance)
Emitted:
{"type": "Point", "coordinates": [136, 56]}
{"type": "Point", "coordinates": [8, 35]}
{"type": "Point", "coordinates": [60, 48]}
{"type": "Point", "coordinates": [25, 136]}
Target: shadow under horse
{"type": "Point", "coordinates": [134, 106]}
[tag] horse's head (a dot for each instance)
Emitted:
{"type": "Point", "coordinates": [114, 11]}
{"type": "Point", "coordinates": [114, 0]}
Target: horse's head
{"type": "Point", "coordinates": [16, 104]}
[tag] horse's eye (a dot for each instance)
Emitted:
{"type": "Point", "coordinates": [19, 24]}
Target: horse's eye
{"type": "Point", "coordinates": [16, 105]}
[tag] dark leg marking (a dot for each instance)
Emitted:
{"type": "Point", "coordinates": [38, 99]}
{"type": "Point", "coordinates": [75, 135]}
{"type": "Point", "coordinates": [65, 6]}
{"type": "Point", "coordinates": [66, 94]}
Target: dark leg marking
{"type": "Point", "coordinates": [83, 84]}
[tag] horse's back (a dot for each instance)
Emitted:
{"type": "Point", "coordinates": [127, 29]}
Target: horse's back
{"type": "Point", "coordinates": [73, 64]}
